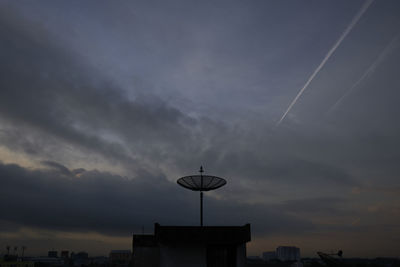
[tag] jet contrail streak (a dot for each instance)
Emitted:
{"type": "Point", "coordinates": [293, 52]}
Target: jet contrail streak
{"type": "Point", "coordinates": [370, 70]}
{"type": "Point", "coordinates": [356, 18]}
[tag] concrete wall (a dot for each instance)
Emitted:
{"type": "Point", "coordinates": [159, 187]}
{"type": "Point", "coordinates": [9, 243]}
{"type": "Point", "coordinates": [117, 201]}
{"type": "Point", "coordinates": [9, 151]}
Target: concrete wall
{"type": "Point", "coordinates": [146, 257]}
{"type": "Point", "coordinates": [193, 256]}
{"type": "Point", "coordinates": [241, 256]}
{"type": "Point", "coordinates": [183, 256]}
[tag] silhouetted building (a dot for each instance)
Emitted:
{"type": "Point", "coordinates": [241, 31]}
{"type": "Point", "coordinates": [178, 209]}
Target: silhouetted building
{"type": "Point", "coordinates": [99, 261]}
{"type": "Point", "coordinates": [14, 261]}
{"type": "Point", "coordinates": [269, 255]}
{"type": "Point", "coordinates": [192, 246]}
{"type": "Point", "coordinates": [120, 257]}
{"type": "Point", "coordinates": [81, 255]}
{"type": "Point", "coordinates": [52, 254]}
{"type": "Point", "coordinates": [65, 254]}
{"type": "Point", "coordinates": [47, 261]}
{"type": "Point", "coordinates": [286, 253]}
{"type": "Point", "coordinates": [80, 258]}
{"type": "Point", "coordinates": [254, 258]}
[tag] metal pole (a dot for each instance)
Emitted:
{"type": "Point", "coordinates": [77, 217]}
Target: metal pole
{"type": "Point", "coordinates": [201, 195]}
{"type": "Point", "coordinates": [201, 208]}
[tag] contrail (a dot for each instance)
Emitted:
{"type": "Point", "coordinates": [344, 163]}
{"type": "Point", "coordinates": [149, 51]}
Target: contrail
{"type": "Point", "coordinates": [356, 18]}
{"type": "Point", "coordinates": [368, 72]}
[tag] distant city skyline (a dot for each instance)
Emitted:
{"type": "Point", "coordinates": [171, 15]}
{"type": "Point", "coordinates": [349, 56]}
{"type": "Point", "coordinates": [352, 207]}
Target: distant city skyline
{"type": "Point", "coordinates": [104, 105]}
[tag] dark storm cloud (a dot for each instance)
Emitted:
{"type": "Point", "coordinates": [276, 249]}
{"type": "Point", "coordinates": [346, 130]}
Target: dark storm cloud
{"type": "Point", "coordinates": [286, 169]}
{"type": "Point", "coordinates": [59, 167]}
{"type": "Point", "coordinates": [44, 88]}
{"type": "Point", "coordinates": [7, 226]}
{"type": "Point", "coordinates": [52, 93]}
{"type": "Point", "coordinates": [323, 205]}
{"type": "Point", "coordinates": [58, 199]}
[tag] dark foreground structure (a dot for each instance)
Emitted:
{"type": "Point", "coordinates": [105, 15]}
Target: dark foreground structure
{"type": "Point", "coordinates": [192, 246]}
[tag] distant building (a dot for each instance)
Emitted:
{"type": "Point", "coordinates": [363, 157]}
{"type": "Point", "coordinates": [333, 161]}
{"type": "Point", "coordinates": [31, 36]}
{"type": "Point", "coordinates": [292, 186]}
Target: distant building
{"type": "Point", "coordinates": [253, 257]}
{"type": "Point", "coordinates": [257, 262]}
{"type": "Point", "coordinates": [286, 253]}
{"type": "Point", "coordinates": [120, 257]}
{"type": "Point", "coordinates": [99, 261]}
{"type": "Point", "coordinates": [52, 254]}
{"type": "Point", "coordinates": [14, 262]}
{"type": "Point", "coordinates": [192, 246]}
{"type": "Point", "coordinates": [269, 255]}
{"type": "Point", "coordinates": [47, 261]}
{"type": "Point", "coordinates": [65, 254]}
{"type": "Point", "coordinates": [80, 258]}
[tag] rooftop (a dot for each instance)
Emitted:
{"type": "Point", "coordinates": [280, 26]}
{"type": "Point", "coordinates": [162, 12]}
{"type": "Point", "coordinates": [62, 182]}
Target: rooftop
{"type": "Point", "coordinates": [195, 234]}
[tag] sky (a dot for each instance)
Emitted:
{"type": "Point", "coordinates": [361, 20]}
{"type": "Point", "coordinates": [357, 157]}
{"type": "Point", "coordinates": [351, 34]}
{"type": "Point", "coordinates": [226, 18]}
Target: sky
{"type": "Point", "coordinates": [105, 104]}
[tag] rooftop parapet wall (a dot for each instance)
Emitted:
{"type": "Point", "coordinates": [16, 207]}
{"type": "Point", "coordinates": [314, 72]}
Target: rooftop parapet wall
{"type": "Point", "coordinates": [202, 234]}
